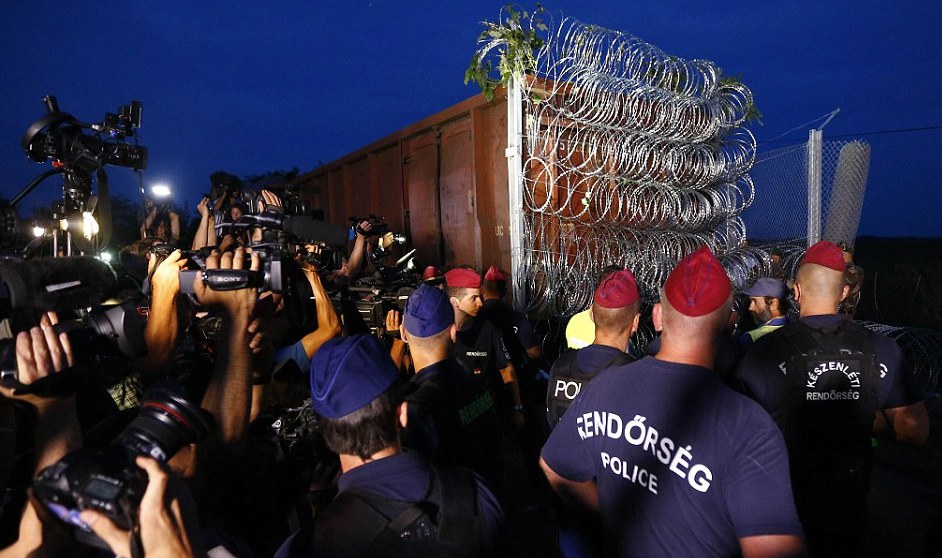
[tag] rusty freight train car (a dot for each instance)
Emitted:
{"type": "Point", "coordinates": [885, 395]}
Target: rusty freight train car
{"type": "Point", "coordinates": [441, 181]}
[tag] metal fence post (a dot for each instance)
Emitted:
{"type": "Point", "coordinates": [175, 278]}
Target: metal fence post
{"type": "Point", "coordinates": [814, 186]}
{"type": "Point", "coordinates": [515, 186]}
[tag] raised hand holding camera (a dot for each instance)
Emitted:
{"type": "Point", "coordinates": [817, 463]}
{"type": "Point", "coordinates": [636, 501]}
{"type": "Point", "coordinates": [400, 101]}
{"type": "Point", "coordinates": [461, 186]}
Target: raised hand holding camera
{"type": "Point", "coordinates": [225, 283]}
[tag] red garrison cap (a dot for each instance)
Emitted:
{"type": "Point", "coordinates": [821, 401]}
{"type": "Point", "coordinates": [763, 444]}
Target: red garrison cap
{"type": "Point", "coordinates": [698, 285]}
{"type": "Point", "coordinates": [827, 254]}
{"type": "Point", "coordinates": [463, 278]}
{"type": "Point", "coordinates": [617, 290]}
{"type": "Point", "coordinates": [495, 275]}
{"type": "Point", "coordinates": [431, 272]}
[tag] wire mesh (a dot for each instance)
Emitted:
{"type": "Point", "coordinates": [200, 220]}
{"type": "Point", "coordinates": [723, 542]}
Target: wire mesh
{"type": "Point", "coordinates": [779, 214]}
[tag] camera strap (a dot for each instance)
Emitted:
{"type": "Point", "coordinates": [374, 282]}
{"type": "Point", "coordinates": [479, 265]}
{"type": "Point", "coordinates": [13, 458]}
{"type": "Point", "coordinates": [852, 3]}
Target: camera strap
{"type": "Point", "coordinates": [137, 547]}
{"type": "Point", "coordinates": [61, 384]}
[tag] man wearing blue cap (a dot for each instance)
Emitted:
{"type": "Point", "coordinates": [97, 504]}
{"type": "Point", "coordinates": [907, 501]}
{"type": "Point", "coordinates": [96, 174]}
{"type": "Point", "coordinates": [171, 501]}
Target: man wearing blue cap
{"type": "Point", "coordinates": [389, 502]}
{"type": "Point", "coordinates": [768, 305]}
{"type": "Point", "coordinates": [452, 419]}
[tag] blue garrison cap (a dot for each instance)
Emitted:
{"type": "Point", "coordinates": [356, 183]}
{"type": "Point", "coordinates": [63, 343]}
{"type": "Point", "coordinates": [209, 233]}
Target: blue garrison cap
{"type": "Point", "coordinates": [767, 286]}
{"type": "Point", "coordinates": [349, 372]}
{"type": "Point", "coordinates": [428, 311]}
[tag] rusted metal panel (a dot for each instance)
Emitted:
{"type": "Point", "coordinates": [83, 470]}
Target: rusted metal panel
{"type": "Point", "coordinates": [356, 187]}
{"type": "Point", "coordinates": [442, 181]}
{"type": "Point", "coordinates": [460, 228]}
{"type": "Point", "coordinates": [335, 187]}
{"type": "Point", "coordinates": [386, 186]}
{"type": "Point", "coordinates": [420, 176]}
{"type": "Point", "coordinates": [489, 136]}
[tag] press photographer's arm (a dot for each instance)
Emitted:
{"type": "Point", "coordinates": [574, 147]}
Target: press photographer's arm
{"type": "Point", "coordinates": [228, 396]}
{"type": "Point", "coordinates": [40, 352]}
{"type": "Point", "coordinates": [161, 331]}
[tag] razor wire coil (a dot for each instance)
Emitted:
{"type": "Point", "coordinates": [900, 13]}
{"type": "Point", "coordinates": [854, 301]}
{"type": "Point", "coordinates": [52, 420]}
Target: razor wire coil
{"type": "Point", "coordinates": [632, 157]}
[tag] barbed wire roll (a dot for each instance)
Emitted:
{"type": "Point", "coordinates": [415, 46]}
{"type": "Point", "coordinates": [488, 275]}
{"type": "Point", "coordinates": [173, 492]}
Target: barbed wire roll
{"type": "Point", "coordinates": [626, 56]}
{"type": "Point", "coordinates": [632, 157]}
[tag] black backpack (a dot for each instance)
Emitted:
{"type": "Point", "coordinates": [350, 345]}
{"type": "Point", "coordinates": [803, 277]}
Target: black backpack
{"type": "Point", "coordinates": [356, 523]}
{"type": "Point", "coordinates": [566, 382]}
{"type": "Point", "coordinates": [830, 404]}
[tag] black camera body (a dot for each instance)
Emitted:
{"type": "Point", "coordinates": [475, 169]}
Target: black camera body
{"type": "Point", "coordinates": [108, 481]}
{"type": "Point", "coordinates": [378, 226]}
{"type": "Point", "coordinates": [82, 148]}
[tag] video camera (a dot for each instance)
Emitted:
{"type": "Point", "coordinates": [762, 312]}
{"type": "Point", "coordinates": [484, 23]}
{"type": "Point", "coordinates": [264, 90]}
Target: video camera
{"type": "Point", "coordinates": [285, 235]}
{"type": "Point", "coordinates": [82, 148]}
{"type": "Point", "coordinates": [378, 225]}
{"type": "Point", "coordinates": [75, 284]}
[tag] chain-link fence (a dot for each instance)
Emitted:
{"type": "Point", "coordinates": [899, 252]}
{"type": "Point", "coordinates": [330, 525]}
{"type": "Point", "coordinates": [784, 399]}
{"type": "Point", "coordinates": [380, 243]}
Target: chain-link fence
{"type": "Point", "coordinates": [780, 214]}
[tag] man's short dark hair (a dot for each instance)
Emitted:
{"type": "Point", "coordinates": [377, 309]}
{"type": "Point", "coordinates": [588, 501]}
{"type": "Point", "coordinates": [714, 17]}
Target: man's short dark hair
{"type": "Point", "coordinates": [457, 292]}
{"type": "Point", "coordinates": [367, 430]}
{"type": "Point", "coordinates": [498, 287]}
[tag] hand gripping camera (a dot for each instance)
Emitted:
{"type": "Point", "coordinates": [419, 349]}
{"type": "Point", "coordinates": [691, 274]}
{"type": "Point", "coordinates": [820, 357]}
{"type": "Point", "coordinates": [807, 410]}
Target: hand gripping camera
{"type": "Point", "coordinates": [108, 481]}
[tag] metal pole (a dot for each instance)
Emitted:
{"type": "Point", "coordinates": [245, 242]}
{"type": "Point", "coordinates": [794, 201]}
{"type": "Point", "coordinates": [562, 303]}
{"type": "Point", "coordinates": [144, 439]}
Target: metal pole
{"type": "Point", "coordinates": [515, 189]}
{"type": "Point", "coordinates": [814, 186]}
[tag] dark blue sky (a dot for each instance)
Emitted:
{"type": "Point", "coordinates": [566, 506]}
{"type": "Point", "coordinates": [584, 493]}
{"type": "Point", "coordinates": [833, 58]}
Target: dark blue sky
{"type": "Point", "coordinates": [252, 89]}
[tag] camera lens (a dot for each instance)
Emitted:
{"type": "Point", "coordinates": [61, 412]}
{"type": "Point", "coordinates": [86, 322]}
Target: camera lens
{"type": "Point", "coordinates": [122, 324]}
{"type": "Point", "coordinates": [166, 423]}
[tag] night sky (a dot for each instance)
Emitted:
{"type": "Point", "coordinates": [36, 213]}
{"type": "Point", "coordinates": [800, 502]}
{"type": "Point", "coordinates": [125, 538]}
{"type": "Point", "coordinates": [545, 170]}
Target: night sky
{"type": "Point", "coordinates": [297, 84]}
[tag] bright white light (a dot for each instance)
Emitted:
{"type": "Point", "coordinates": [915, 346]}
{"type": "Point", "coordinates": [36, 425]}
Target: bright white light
{"type": "Point", "coordinates": [89, 225]}
{"type": "Point", "coordinates": [105, 257]}
{"type": "Point", "coordinates": [160, 190]}
{"type": "Point", "coordinates": [38, 231]}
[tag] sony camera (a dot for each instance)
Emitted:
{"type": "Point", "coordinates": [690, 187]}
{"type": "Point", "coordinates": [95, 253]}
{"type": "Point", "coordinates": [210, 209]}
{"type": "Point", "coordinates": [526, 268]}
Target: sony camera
{"type": "Point", "coordinates": [108, 481]}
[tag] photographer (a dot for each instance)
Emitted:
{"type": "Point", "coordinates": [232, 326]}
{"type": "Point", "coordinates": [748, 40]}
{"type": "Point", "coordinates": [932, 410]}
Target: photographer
{"type": "Point", "coordinates": [227, 397]}
{"type": "Point", "coordinates": [161, 221]}
{"type": "Point", "coordinates": [328, 324]}
{"type": "Point", "coordinates": [161, 332]}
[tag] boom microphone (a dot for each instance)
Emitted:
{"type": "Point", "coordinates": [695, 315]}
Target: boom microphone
{"type": "Point", "coordinates": [44, 284]}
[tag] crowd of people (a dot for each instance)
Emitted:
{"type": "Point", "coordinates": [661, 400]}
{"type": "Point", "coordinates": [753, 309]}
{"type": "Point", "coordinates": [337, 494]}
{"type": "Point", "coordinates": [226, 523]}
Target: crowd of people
{"type": "Point", "coordinates": [434, 433]}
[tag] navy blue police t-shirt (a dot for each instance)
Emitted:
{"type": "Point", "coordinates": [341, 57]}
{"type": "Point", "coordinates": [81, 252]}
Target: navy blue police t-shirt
{"type": "Point", "coordinates": [761, 372]}
{"type": "Point", "coordinates": [685, 466]}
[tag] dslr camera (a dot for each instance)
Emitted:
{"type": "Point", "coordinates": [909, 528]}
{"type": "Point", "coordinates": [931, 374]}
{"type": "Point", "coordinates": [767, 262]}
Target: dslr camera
{"type": "Point", "coordinates": [108, 481]}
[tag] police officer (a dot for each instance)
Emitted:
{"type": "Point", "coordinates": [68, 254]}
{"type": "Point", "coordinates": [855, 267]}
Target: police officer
{"type": "Point", "coordinates": [672, 461]}
{"type": "Point", "coordinates": [615, 313]}
{"type": "Point", "coordinates": [452, 419]}
{"type": "Point", "coordinates": [519, 339]}
{"type": "Point", "coordinates": [829, 384]}
{"type": "Point", "coordinates": [479, 346]}
{"type": "Point", "coordinates": [389, 502]}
